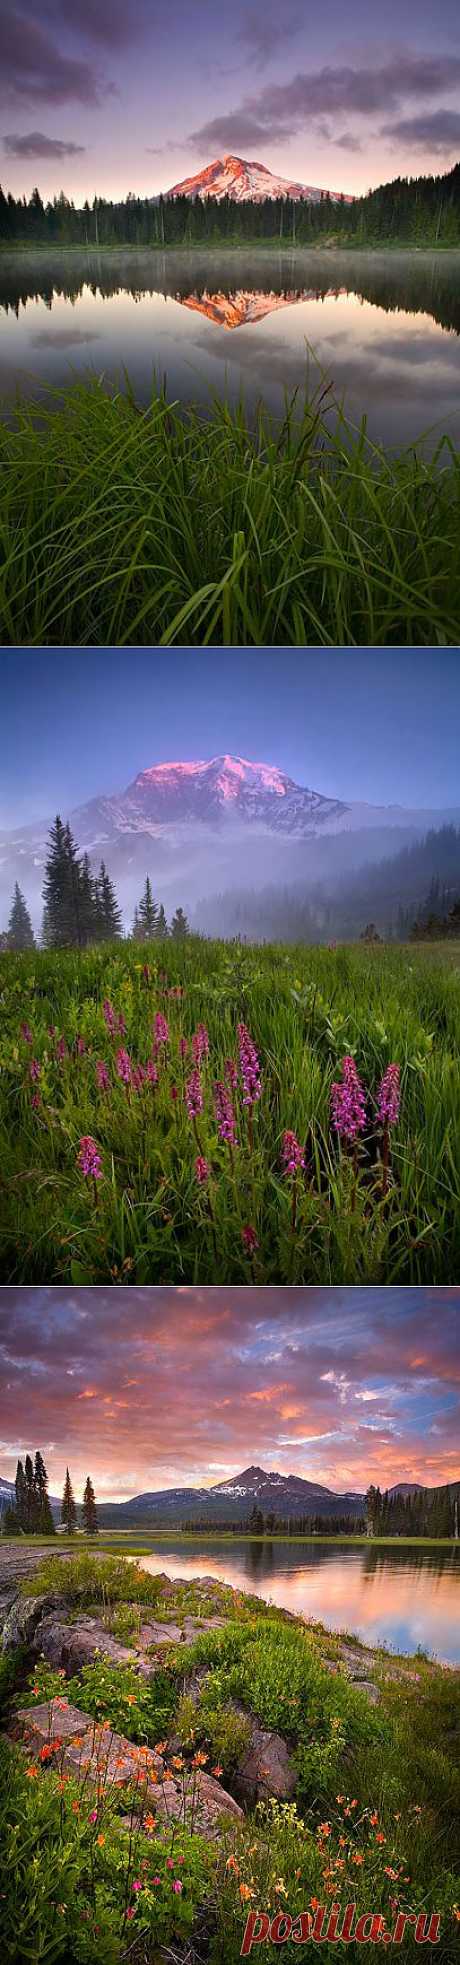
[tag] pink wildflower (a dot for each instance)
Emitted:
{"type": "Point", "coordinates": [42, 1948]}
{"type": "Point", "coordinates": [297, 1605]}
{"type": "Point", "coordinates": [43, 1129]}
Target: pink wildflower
{"type": "Point", "coordinates": [225, 1114]}
{"type": "Point", "coordinates": [35, 1100]}
{"type": "Point", "coordinates": [34, 1070]}
{"type": "Point", "coordinates": [183, 1046]}
{"type": "Point", "coordinates": [61, 1049]}
{"type": "Point", "coordinates": [249, 1240]}
{"type": "Point", "coordinates": [200, 1044]}
{"type": "Point", "coordinates": [102, 1076]}
{"type": "Point", "coordinates": [161, 1029]}
{"type": "Point", "coordinates": [137, 1885]}
{"type": "Point", "coordinates": [177, 1887]}
{"type": "Point", "coordinates": [389, 1096]}
{"type": "Point", "coordinates": [109, 1016]}
{"type": "Point", "coordinates": [348, 1103]}
{"type": "Point", "coordinates": [173, 1093]}
{"type": "Point", "coordinates": [249, 1066]}
{"type": "Point", "coordinates": [124, 1068]}
{"type": "Point", "coordinates": [89, 1160]}
{"type": "Point", "coordinates": [121, 1025]}
{"type": "Point", "coordinates": [93, 1816]}
{"type": "Point", "coordinates": [152, 1071]}
{"type": "Point", "coordinates": [139, 1077]}
{"type": "Point", "coordinates": [292, 1155]}
{"type": "Point", "coordinates": [231, 1073]}
{"type": "Point", "coordinates": [194, 1095]}
{"type": "Point", "coordinates": [26, 1033]}
{"type": "Point", "coordinates": [80, 1047]}
{"type": "Point", "coordinates": [201, 1170]}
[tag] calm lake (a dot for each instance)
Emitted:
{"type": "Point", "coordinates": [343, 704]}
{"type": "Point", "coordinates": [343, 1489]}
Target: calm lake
{"type": "Point", "coordinates": [383, 328]}
{"type": "Point", "coordinates": [402, 1597]}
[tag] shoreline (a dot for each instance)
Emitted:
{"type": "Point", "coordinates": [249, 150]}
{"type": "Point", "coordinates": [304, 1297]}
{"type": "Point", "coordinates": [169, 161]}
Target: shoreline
{"type": "Point", "coordinates": [264, 249]}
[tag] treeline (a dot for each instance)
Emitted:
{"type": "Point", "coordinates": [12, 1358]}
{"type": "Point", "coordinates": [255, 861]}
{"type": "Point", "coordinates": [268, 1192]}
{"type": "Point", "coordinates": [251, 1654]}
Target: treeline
{"type": "Point", "coordinates": [271, 1524]}
{"type": "Point", "coordinates": [434, 1512]}
{"type": "Point", "coordinates": [31, 1514]}
{"type": "Point", "coordinates": [396, 896]}
{"type": "Point", "coordinates": [80, 908]}
{"type": "Point", "coordinates": [412, 210]}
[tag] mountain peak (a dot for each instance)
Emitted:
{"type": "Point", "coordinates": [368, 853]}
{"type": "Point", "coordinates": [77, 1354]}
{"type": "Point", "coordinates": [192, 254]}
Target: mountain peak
{"type": "Point", "coordinates": [239, 179]}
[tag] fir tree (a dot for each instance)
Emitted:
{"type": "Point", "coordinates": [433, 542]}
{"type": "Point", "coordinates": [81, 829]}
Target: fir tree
{"type": "Point", "coordinates": [30, 1496]}
{"type": "Point", "coordinates": [137, 936]}
{"type": "Point", "coordinates": [147, 914]}
{"type": "Point", "coordinates": [20, 930]}
{"type": "Point", "coordinates": [20, 1491]}
{"type": "Point", "coordinates": [89, 1511]}
{"type": "Point", "coordinates": [44, 1518]}
{"type": "Point", "coordinates": [61, 897]}
{"type": "Point", "coordinates": [161, 930]}
{"type": "Point", "coordinates": [88, 908]}
{"type": "Point", "coordinates": [179, 925]}
{"type": "Point", "coordinates": [10, 1520]}
{"type": "Point", "coordinates": [109, 921]}
{"type": "Point", "coordinates": [68, 1509]}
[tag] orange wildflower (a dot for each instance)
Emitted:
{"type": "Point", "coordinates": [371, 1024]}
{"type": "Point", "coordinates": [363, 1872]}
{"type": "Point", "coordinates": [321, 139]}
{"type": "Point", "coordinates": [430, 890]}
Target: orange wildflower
{"type": "Point", "coordinates": [32, 1773]}
{"type": "Point", "coordinates": [380, 1837]}
{"type": "Point", "coordinates": [100, 1839]}
{"type": "Point", "coordinates": [245, 1893]}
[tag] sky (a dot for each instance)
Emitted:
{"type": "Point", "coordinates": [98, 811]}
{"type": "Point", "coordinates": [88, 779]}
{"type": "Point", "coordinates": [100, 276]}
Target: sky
{"type": "Point", "coordinates": [99, 96]}
{"type": "Point", "coordinates": [154, 1388]}
{"type": "Point", "coordinates": [378, 725]}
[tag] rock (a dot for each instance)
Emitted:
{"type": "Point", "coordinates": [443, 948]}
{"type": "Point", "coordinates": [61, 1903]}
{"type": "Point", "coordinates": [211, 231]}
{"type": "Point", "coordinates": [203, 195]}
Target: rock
{"type": "Point", "coordinates": [73, 1645]}
{"type": "Point", "coordinates": [266, 1768]}
{"type": "Point", "coordinates": [106, 1759]}
{"type": "Point", "coordinates": [54, 1720]}
{"type": "Point", "coordinates": [24, 1617]}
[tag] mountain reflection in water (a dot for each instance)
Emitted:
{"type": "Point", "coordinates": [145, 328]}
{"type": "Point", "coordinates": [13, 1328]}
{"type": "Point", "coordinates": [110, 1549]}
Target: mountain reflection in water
{"type": "Point", "coordinates": [403, 1597]}
{"type": "Point", "coordinates": [382, 329]}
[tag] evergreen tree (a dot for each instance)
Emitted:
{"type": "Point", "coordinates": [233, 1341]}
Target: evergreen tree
{"type": "Point", "coordinates": [179, 925]}
{"type": "Point", "coordinates": [68, 1509]}
{"type": "Point", "coordinates": [20, 930]}
{"type": "Point", "coordinates": [88, 907]}
{"type": "Point", "coordinates": [44, 1518]}
{"type": "Point", "coordinates": [30, 1496]}
{"type": "Point", "coordinates": [90, 1521]}
{"type": "Point", "coordinates": [137, 936]}
{"type": "Point", "coordinates": [161, 930]}
{"type": "Point", "coordinates": [109, 921]}
{"type": "Point", "coordinates": [61, 890]}
{"type": "Point", "coordinates": [10, 1520]}
{"type": "Point", "coordinates": [147, 914]}
{"type": "Point", "coordinates": [20, 1490]}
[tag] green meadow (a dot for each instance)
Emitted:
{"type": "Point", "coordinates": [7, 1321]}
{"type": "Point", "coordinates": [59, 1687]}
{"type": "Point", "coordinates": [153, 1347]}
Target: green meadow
{"type": "Point", "coordinates": [164, 524]}
{"type": "Point", "coordinates": [99, 1046]}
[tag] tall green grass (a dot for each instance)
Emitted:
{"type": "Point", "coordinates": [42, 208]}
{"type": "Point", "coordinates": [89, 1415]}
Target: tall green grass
{"type": "Point", "coordinates": [166, 525]}
{"type": "Point", "coordinates": [147, 1220]}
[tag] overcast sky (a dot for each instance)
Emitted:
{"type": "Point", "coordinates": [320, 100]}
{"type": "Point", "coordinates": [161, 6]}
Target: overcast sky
{"type": "Point", "coordinates": [99, 95]}
{"type": "Point", "coordinates": [379, 724]}
{"type": "Point", "coordinates": [157, 1388]}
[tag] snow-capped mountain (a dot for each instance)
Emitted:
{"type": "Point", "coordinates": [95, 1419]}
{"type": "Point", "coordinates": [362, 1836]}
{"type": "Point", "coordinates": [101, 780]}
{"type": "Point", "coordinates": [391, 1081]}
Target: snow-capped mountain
{"type": "Point", "coordinates": [198, 825]}
{"type": "Point", "coordinates": [236, 178]}
{"type": "Point", "coordinates": [285, 1495]}
{"type": "Point", "coordinates": [243, 306]}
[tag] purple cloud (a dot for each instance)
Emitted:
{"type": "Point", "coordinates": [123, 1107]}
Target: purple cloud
{"type": "Point", "coordinates": [282, 110]}
{"type": "Point", "coordinates": [38, 145]}
{"type": "Point", "coordinates": [32, 69]}
{"type": "Point", "coordinates": [439, 132]}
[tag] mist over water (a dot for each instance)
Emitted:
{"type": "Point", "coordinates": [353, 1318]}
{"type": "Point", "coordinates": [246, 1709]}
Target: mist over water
{"type": "Point", "coordinates": [383, 328]}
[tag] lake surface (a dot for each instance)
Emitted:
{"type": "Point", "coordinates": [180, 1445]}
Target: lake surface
{"type": "Point", "coordinates": [384, 328]}
{"type": "Point", "coordinates": [404, 1598]}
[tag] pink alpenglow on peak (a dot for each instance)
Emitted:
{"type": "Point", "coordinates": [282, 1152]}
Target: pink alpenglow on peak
{"type": "Point", "coordinates": [194, 1095]}
{"type": "Point", "coordinates": [388, 1099]}
{"type": "Point", "coordinates": [348, 1103]}
{"type": "Point", "coordinates": [241, 179]}
{"type": "Point", "coordinates": [249, 1067]}
{"type": "Point", "coordinates": [292, 1155]}
{"type": "Point", "coordinates": [89, 1159]}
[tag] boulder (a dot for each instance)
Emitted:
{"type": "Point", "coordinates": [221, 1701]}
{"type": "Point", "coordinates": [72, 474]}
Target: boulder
{"type": "Point", "coordinates": [72, 1645]}
{"type": "Point", "coordinates": [23, 1619]}
{"type": "Point", "coordinates": [95, 1754]}
{"type": "Point", "coordinates": [266, 1768]}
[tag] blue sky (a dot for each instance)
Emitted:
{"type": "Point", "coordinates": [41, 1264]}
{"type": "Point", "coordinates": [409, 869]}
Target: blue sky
{"type": "Point", "coordinates": [98, 95]}
{"type": "Point", "coordinates": [378, 724]}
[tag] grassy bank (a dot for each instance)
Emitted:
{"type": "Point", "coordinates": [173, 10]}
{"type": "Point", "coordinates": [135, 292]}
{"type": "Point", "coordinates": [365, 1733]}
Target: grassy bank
{"type": "Point", "coordinates": [148, 1219]}
{"type": "Point", "coordinates": [165, 525]}
{"type": "Point", "coordinates": [374, 1819]}
{"type": "Point", "coordinates": [113, 1539]}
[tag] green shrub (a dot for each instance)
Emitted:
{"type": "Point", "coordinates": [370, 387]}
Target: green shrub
{"type": "Point", "coordinates": [139, 1708]}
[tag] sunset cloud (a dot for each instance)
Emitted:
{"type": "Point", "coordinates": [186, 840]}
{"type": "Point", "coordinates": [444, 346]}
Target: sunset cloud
{"type": "Point", "coordinates": [155, 1388]}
